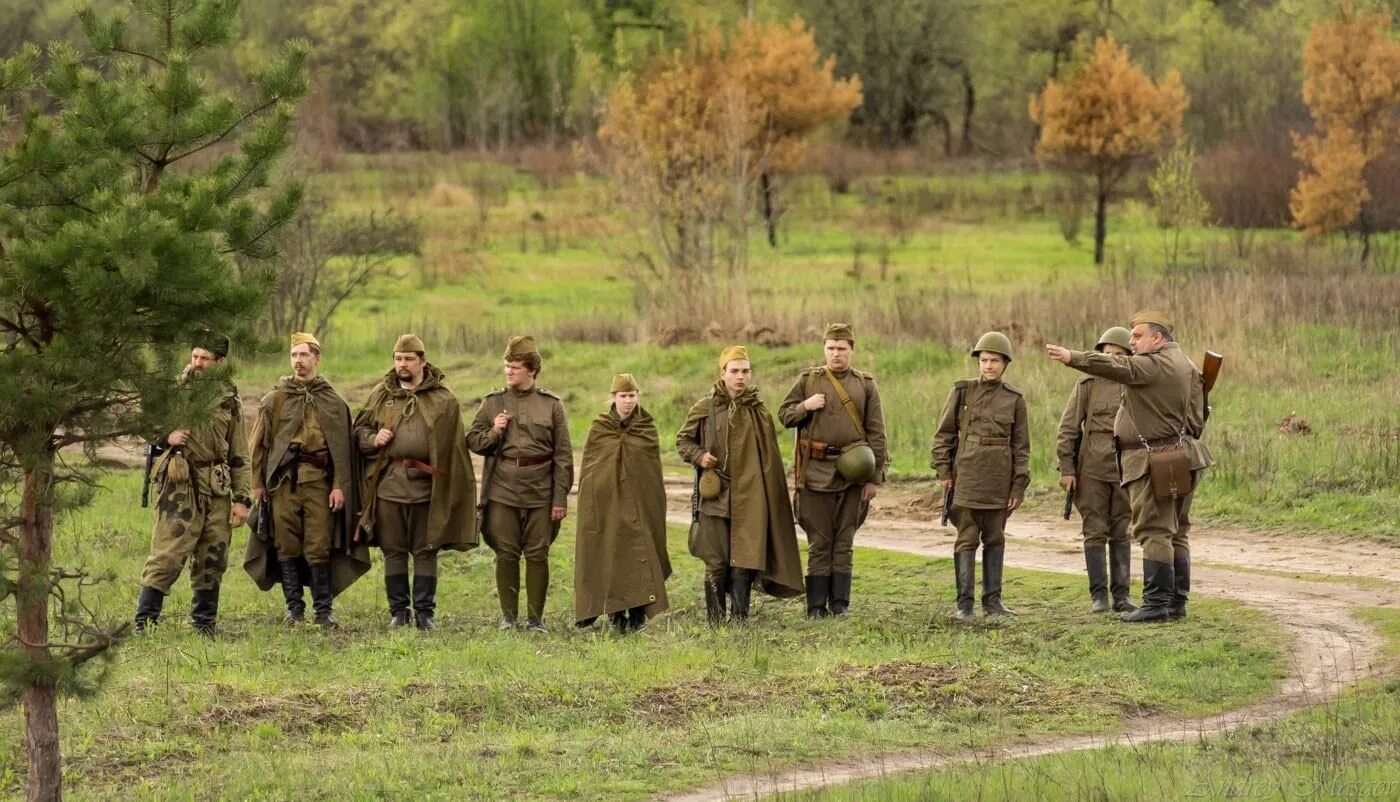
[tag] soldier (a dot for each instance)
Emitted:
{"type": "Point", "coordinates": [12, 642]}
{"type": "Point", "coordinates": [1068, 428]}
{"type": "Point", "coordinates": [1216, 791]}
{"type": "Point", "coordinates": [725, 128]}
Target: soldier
{"type": "Point", "coordinates": [620, 560]}
{"type": "Point", "coordinates": [203, 493]}
{"type": "Point", "coordinates": [981, 452]}
{"type": "Point", "coordinates": [306, 467]}
{"type": "Point", "coordinates": [1089, 473]}
{"type": "Point", "coordinates": [744, 529]}
{"type": "Point", "coordinates": [1159, 424]}
{"type": "Point", "coordinates": [419, 491]}
{"type": "Point", "coordinates": [840, 464]}
{"type": "Point", "coordinates": [522, 431]}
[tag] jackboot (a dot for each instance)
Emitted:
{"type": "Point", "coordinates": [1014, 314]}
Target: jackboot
{"type": "Point", "coordinates": [204, 611]}
{"type": "Point", "coordinates": [740, 590]}
{"type": "Point", "coordinates": [536, 590]}
{"type": "Point", "coordinates": [991, 581]}
{"type": "Point", "coordinates": [965, 574]}
{"type": "Point", "coordinates": [508, 590]}
{"type": "Point", "coordinates": [1158, 589]}
{"type": "Point", "coordinates": [818, 591]}
{"type": "Point", "coordinates": [1095, 565]}
{"type": "Point", "coordinates": [636, 618]}
{"type": "Point", "coordinates": [321, 596]}
{"type": "Point", "coordinates": [619, 622]}
{"type": "Point", "coordinates": [148, 606]}
{"type": "Point", "coordinates": [1120, 575]}
{"type": "Point", "coordinates": [715, 592]}
{"type": "Point", "coordinates": [840, 593]}
{"type": "Point", "coordinates": [396, 590]}
{"type": "Point", "coordinates": [424, 601]}
{"type": "Point", "coordinates": [291, 591]}
{"type": "Point", "coordinates": [1181, 566]}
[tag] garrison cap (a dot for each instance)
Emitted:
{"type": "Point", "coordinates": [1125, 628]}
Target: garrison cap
{"type": "Point", "coordinates": [306, 338]}
{"type": "Point", "coordinates": [624, 383]}
{"type": "Point", "coordinates": [732, 353]}
{"type": "Point", "coordinates": [1154, 316]}
{"type": "Point", "coordinates": [839, 331]}
{"type": "Point", "coordinates": [409, 343]}
{"type": "Point", "coordinates": [518, 348]}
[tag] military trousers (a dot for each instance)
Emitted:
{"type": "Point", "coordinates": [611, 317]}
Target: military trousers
{"type": "Point", "coordinates": [711, 544]}
{"type": "Point", "coordinates": [1161, 525]}
{"type": "Point", "coordinates": [402, 530]}
{"type": "Point", "coordinates": [830, 521]}
{"type": "Point", "coordinates": [301, 521]}
{"type": "Point", "coordinates": [517, 532]}
{"type": "Point", "coordinates": [1105, 511]}
{"type": "Point", "coordinates": [987, 527]}
{"type": "Point", "coordinates": [189, 526]}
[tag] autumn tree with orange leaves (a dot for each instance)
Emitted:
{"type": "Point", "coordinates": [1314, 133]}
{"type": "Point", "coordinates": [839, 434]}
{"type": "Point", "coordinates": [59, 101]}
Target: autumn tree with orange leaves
{"type": "Point", "coordinates": [1352, 89]}
{"type": "Point", "coordinates": [694, 142]}
{"type": "Point", "coordinates": [1105, 118]}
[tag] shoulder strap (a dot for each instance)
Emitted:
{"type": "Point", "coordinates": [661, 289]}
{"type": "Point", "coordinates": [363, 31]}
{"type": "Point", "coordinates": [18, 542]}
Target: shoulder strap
{"type": "Point", "coordinates": [962, 410]}
{"type": "Point", "coordinates": [846, 402]}
{"type": "Point", "coordinates": [710, 424]}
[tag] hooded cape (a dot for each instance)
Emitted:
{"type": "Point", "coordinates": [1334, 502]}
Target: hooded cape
{"type": "Point", "coordinates": [349, 560]}
{"type": "Point", "coordinates": [620, 559]}
{"type": "Point", "coordinates": [452, 508]}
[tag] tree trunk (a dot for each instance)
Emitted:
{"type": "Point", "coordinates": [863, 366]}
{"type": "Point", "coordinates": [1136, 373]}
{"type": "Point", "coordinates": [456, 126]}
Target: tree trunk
{"type": "Point", "coordinates": [768, 190]}
{"type": "Point", "coordinates": [1100, 225]}
{"type": "Point", "coordinates": [32, 607]}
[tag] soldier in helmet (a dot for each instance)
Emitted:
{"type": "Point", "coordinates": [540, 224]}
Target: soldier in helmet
{"type": "Point", "coordinates": [840, 464]}
{"type": "Point", "coordinates": [981, 453]}
{"type": "Point", "coordinates": [1089, 473]}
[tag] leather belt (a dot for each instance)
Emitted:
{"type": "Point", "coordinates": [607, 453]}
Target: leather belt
{"type": "Point", "coordinates": [420, 466]}
{"type": "Point", "coordinates": [1161, 442]}
{"type": "Point", "coordinates": [818, 450]}
{"type": "Point", "coordinates": [526, 462]}
{"type": "Point", "coordinates": [990, 441]}
{"type": "Point", "coordinates": [316, 459]}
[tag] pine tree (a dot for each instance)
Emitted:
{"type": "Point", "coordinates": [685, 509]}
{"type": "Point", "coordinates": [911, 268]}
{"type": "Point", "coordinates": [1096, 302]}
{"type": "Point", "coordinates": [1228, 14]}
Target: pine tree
{"type": "Point", "coordinates": [136, 210]}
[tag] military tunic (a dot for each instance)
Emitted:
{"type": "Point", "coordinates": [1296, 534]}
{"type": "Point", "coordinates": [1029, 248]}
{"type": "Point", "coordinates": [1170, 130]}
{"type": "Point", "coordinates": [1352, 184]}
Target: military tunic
{"type": "Point", "coordinates": [192, 518]}
{"type": "Point", "coordinates": [1085, 451]}
{"type": "Point", "coordinates": [829, 508]}
{"type": "Point", "coordinates": [992, 461]}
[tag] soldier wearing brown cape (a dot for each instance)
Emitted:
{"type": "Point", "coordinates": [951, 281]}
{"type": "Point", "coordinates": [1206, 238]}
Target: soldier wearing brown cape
{"type": "Point", "coordinates": [306, 468]}
{"type": "Point", "coordinates": [419, 488]}
{"type": "Point", "coordinates": [744, 529]}
{"type": "Point", "coordinates": [620, 560]}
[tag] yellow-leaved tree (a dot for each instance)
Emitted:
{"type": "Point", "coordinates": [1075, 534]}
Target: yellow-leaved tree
{"type": "Point", "coordinates": [1104, 118]}
{"type": "Point", "coordinates": [1352, 88]}
{"type": "Point", "coordinates": [694, 142]}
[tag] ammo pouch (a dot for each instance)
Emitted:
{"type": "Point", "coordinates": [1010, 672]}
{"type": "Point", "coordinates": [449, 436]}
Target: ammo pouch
{"type": "Point", "coordinates": [1170, 471]}
{"type": "Point", "coordinates": [220, 479]}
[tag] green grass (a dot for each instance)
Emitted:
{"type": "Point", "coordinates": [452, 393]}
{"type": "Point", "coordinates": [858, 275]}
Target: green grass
{"type": "Point", "coordinates": [467, 712]}
{"type": "Point", "coordinates": [1344, 749]}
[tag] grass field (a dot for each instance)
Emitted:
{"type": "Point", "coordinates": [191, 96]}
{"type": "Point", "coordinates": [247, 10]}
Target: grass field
{"type": "Point", "coordinates": [471, 713]}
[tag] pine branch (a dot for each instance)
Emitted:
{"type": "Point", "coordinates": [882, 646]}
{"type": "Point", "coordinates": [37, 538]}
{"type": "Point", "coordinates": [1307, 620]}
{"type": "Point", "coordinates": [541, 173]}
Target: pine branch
{"type": "Point", "coordinates": [236, 123]}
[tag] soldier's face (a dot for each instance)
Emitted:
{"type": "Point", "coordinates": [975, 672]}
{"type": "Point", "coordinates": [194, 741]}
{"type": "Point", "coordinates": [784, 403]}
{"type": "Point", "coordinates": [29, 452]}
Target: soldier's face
{"type": "Point", "coordinates": [518, 377]}
{"type": "Point", "coordinates": [1116, 350]}
{"type": "Point", "coordinates": [736, 375]}
{"type": "Point", "coordinates": [304, 362]}
{"type": "Point", "coordinates": [991, 365]}
{"type": "Point", "coordinates": [625, 402]}
{"type": "Point", "coordinates": [1145, 340]}
{"type": "Point", "coordinates": [408, 366]}
{"type": "Point", "coordinates": [838, 354]}
{"type": "Point", "coordinates": [201, 359]}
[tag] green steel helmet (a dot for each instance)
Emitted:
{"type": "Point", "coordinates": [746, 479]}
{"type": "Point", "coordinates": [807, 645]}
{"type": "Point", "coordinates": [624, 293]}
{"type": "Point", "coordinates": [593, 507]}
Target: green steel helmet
{"type": "Point", "coordinates": [1116, 335]}
{"type": "Point", "coordinates": [857, 463]}
{"type": "Point", "coordinates": [993, 341]}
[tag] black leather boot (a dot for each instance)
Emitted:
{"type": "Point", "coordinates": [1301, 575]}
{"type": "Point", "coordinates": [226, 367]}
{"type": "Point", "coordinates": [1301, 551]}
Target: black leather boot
{"type": "Point", "coordinates": [991, 581]}
{"type": "Point", "coordinates": [291, 591]}
{"type": "Point", "coordinates": [204, 611]}
{"type": "Point", "coordinates": [965, 574]}
{"type": "Point", "coordinates": [424, 601]}
{"type": "Point", "coordinates": [619, 622]}
{"type": "Point", "coordinates": [148, 606]}
{"type": "Point", "coordinates": [1096, 566]}
{"type": "Point", "coordinates": [840, 593]}
{"type": "Point", "coordinates": [740, 591]}
{"type": "Point", "coordinates": [536, 591]}
{"type": "Point", "coordinates": [818, 591]}
{"type": "Point", "coordinates": [636, 618]}
{"type": "Point", "coordinates": [1158, 590]}
{"type": "Point", "coordinates": [397, 592]}
{"type": "Point", "coordinates": [1181, 567]}
{"type": "Point", "coordinates": [715, 592]}
{"type": "Point", "coordinates": [1120, 575]}
{"type": "Point", "coordinates": [508, 590]}
{"type": "Point", "coordinates": [321, 596]}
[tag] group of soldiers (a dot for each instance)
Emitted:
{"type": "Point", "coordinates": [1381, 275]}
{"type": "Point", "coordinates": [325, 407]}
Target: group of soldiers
{"type": "Point", "coordinates": [323, 486]}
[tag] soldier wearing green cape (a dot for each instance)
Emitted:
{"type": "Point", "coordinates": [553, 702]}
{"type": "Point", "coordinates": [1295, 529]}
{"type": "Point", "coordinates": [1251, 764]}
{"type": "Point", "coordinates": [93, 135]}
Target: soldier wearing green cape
{"type": "Point", "coordinates": [620, 560]}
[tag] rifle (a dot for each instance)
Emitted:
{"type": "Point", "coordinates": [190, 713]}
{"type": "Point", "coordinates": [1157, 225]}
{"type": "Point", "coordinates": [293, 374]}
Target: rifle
{"type": "Point", "coordinates": [153, 451]}
{"type": "Point", "coordinates": [1210, 372]}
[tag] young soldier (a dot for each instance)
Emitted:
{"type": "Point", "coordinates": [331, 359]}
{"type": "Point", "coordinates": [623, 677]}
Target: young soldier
{"type": "Point", "coordinates": [523, 432]}
{"type": "Point", "coordinates": [982, 454]}
{"type": "Point", "coordinates": [306, 466]}
{"type": "Point", "coordinates": [745, 530]}
{"type": "Point", "coordinates": [620, 560]}
{"type": "Point", "coordinates": [840, 464]}
{"type": "Point", "coordinates": [420, 491]}
{"type": "Point", "coordinates": [1164, 410]}
{"type": "Point", "coordinates": [1089, 473]}
{"type": "Point", "coordinates": [203, 493]}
